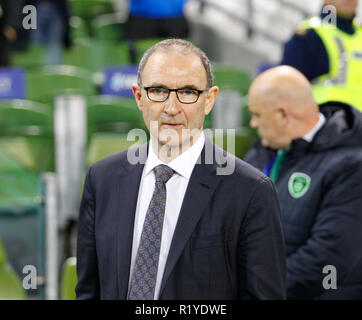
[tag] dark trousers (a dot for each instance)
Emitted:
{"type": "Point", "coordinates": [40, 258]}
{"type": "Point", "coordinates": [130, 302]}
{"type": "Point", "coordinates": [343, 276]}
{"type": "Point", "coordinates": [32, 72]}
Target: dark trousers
{"type": "Point", "coordinates": [4, 53]}
{"type": "Point", "coordinates": [146, 28]}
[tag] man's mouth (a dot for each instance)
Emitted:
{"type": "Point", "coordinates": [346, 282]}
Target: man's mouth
{"type": "Point", "coordinates": [173, 125]}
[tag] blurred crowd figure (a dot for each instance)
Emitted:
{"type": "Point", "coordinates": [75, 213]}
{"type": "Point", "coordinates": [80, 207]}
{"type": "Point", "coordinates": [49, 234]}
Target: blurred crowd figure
{"type": "Point", "coordinates": [328, 51]}
{"type": "Point", "coordinates": [52, 28]}
{"type": "Point", "coordinates": [10, 23]}
{"type": "Point", "coordinates": [314, 155]}
{"type": "Point", "coordinates": [155, 19]}
{"type": "Point", "coordinates": [53, 31]}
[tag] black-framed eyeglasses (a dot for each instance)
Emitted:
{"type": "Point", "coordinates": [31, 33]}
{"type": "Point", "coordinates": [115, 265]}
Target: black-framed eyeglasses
{"type": "Point", "coordinates": [184, 95]}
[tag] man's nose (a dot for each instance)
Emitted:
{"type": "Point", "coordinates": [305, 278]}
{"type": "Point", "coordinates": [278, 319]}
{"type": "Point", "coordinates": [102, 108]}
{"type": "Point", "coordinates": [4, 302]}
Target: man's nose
{"type": "Point", "coordinates": [172, 105]}
{"type": "Point", "coordinates": [253, 123]}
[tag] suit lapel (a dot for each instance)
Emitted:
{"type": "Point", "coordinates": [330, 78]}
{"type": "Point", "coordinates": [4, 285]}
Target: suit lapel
{"type": "Point", "coordinates": [129, 180]}
{"type": "Point", "coordinates": [202, 185]}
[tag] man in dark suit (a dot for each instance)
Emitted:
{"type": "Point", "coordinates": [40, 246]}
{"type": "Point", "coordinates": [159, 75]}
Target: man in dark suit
{"type": "Point", "coordinates": [178, 218]}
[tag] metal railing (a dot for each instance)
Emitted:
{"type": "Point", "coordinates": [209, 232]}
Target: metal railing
{"type": "Point", "coordinates": [247, 22]}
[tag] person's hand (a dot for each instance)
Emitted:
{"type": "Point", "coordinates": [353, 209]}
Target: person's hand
{"type": "Point", "coordinates": [10, 33]}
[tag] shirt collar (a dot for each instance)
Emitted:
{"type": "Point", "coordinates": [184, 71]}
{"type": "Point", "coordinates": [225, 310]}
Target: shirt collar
{"type": "Point", "coordinates": [310, 135]}
{"type": "Point", "coordinates": [183, 164]}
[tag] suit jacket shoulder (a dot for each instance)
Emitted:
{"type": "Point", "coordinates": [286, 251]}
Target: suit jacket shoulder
{"type": "Point", "coordinates": [243, 171]}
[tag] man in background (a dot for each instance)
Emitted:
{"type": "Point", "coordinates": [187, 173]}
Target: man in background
{"type": "Point", "coordinates": [53, 31]}
{"type": "Point", "coordinates": [328, 51]}
{"type": "Point", "coordinates": [10, 22]}
{"type": "Point", "coordinates": [314, 155]}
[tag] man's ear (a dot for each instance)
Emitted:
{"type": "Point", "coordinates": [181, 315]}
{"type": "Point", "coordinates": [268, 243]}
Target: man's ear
{"type": "Point", "coordinates": [137, 95]}
{"type": "Point", "coordinates": [210, 99]}
{"type": "Point", "coordinates": [283, 116]}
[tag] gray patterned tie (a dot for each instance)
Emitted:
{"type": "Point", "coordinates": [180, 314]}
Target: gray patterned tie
{"type": "Point", "coordinates": [144, 275]}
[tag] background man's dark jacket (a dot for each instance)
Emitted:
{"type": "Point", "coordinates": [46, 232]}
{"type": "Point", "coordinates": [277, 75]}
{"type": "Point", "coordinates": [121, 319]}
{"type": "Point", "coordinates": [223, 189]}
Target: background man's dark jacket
{"type": "Point", "coordinates": [323, 227]}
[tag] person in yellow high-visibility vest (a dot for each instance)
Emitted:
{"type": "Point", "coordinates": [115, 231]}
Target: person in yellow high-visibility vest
{"type": "Point", "coordinates": [328, 51]}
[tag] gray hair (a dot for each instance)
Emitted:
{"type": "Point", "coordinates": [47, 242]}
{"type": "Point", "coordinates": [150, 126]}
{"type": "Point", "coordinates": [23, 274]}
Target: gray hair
{"type": "Point", "coordinates": [179, 45]}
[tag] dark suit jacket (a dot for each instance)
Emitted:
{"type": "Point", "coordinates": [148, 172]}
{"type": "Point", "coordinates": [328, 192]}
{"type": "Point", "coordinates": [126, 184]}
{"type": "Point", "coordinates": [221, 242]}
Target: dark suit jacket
{"type": "Point", "coordinates": [228, 241]}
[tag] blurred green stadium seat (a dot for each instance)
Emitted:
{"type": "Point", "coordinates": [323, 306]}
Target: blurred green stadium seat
{"type": "Point", "coordinates": [78, 28]}
{"type": "Point", "coordinates": [26, 134]}
{"type": "Point", "coordinates": [95, 55]}
{"type": "Point", "coordinates": [10, 284]}
{"type": "Point", "coordinates": [208, 120]}
{"type": "Point", "coordinates": [109, 120]}
{"type": "Point", "coordinates": [45, 84]}
{"type": "Point", "coordinates": [116, 54]}
{"type": "Point", "coordinates": [7, 163]}
{"type": "Point", "coordinates": [16, 114]}
{"type": "Point", "coordinates": [105, 144]}
{"type": "Point", "coordinates": [86, 54]}
{"type": "Point", "coordinates": [232, 78]}
{"type": "Point", "coordinates": [3, 257]}
{"type": "Point", "coordinates": [26, 150]}
{"type": "Point", "coordinates": [68, 279]}
{"type": "Point", "coordinates": [33, 153]}
{"type": "Point", "coordinates": [113, 114]}
{"type": "Point", "coordinates": [22, 221]}
{"type": "Point", "coordinates": [244, 139]}
{"type": "Point", "coordinates": [89, 9]}
{"type": "Point", "coordinates": [19, 186]}
{"type": "Point", "coordinates": [19, 189]}
{"type": "Point", "coordinates": [34, 56]}
{"type": "Point", "coordinates": [109, 27]}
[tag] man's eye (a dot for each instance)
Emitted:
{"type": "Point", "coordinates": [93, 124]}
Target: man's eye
{"type": "Point", "coordinates": [187, 92]}
{"type": "Point", "coordinates": [158, 90]}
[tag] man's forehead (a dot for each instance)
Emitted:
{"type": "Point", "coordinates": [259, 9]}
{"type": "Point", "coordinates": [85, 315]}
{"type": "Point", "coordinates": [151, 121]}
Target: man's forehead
{"type": "Point", "coordinates": [171, 54]}
{"type": "Point", "coordinates": [174, 63]}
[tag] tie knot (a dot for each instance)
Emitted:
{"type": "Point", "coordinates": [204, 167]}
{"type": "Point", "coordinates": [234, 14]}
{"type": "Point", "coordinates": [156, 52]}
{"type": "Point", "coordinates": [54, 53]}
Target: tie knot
{"type": "Point", "coordinates": [163, 173]}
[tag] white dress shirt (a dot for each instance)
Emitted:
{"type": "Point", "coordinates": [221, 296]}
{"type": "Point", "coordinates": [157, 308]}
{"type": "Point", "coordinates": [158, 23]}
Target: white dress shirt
{"type": "Point", "coordinates": [310, 135]}
{"type": "Point", "coordinates": [176, 187]}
